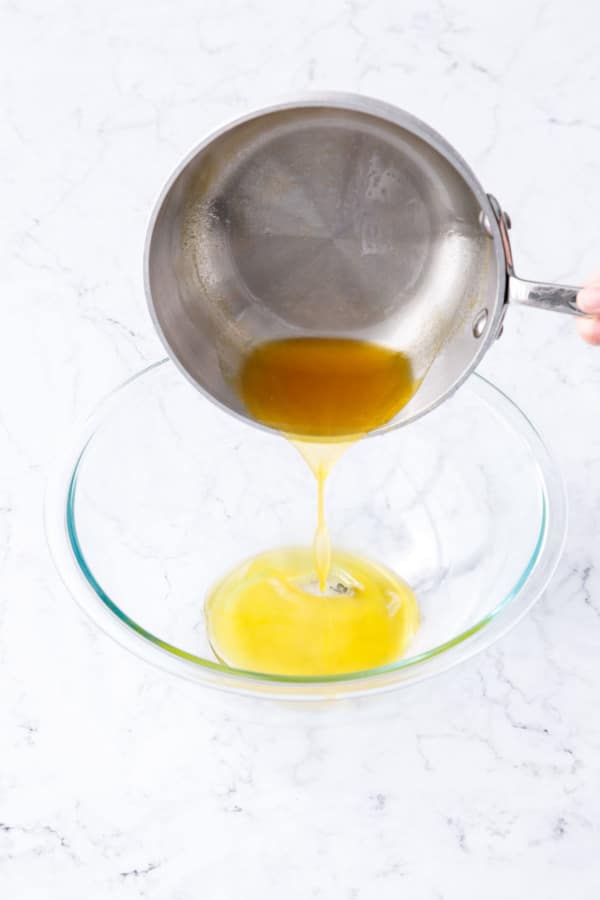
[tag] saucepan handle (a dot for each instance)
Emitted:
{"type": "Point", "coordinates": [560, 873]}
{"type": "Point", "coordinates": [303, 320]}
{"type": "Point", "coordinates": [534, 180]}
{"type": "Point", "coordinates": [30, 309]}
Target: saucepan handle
{"type": "Point", "coordinates": [556, 297]}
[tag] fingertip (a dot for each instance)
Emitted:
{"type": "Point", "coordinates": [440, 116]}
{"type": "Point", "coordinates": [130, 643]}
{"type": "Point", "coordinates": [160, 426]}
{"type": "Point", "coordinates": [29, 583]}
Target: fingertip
{"type": "Point", "coordinates": [589, 330]}
{"type": "Point", "coordinates": [588, 299]}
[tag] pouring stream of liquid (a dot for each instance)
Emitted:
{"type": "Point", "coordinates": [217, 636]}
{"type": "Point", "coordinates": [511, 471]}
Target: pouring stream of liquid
{"type": "Point", "coordinates": [321, 458]}
{"type": "Point", "coordinates": [324, 394]}
{"type": "Point", "coordinates": [298, 610]}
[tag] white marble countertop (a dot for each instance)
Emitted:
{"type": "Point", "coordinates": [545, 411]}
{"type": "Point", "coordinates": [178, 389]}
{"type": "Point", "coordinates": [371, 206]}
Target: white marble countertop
{"type": "Point", "coordinates": [118, 780]}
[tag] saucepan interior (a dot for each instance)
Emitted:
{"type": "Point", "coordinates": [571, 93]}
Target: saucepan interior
{"type": "Point", "coordinates": [329, 216]}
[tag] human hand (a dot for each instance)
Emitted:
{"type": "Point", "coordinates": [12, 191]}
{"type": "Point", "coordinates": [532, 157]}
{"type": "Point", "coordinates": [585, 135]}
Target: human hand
{"type": "Point", "coordinates": [588, 300]}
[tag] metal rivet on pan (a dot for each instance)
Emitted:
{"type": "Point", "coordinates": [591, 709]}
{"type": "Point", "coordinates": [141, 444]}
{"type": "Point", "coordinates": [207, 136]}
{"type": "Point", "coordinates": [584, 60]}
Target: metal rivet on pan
{"type": "Point", "coordinates": [485, 223]}
{"type": "Point", "coordinates": [480, 323]}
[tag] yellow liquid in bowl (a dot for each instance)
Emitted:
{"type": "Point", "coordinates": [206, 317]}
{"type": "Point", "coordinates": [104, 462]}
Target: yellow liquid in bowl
{"type": "Point", "coordinates": [269, 616]}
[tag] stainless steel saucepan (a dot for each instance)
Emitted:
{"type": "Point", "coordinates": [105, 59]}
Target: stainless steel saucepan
{"type": "Point", "coordinates": [332, 215]}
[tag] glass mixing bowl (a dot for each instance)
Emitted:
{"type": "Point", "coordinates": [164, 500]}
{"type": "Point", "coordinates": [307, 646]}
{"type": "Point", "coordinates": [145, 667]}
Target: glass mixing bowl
{"type": "Point", "coordinates": [162, 493]}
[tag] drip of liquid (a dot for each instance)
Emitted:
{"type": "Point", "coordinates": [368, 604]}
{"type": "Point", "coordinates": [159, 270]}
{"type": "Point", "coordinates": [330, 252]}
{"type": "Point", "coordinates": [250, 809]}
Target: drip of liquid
{"type": "Point", "coordinates": [321, 458]}
{"type": "Point", "coordinates": [311, 613]}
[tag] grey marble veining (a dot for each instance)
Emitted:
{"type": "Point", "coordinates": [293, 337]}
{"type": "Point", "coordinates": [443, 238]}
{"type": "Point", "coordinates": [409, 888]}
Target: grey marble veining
{"type": "Point", "coordinates": [116, 780]}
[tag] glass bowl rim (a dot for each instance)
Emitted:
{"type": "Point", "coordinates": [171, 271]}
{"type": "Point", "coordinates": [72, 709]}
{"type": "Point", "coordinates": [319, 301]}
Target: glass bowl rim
{"type": "Point", "coordinates": [61, 531]}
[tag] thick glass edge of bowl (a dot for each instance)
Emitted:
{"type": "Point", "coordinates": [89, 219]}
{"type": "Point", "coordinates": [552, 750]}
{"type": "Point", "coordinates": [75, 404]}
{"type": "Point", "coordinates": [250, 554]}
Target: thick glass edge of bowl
{"type": "Point", "coordinates": [76, 575]}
